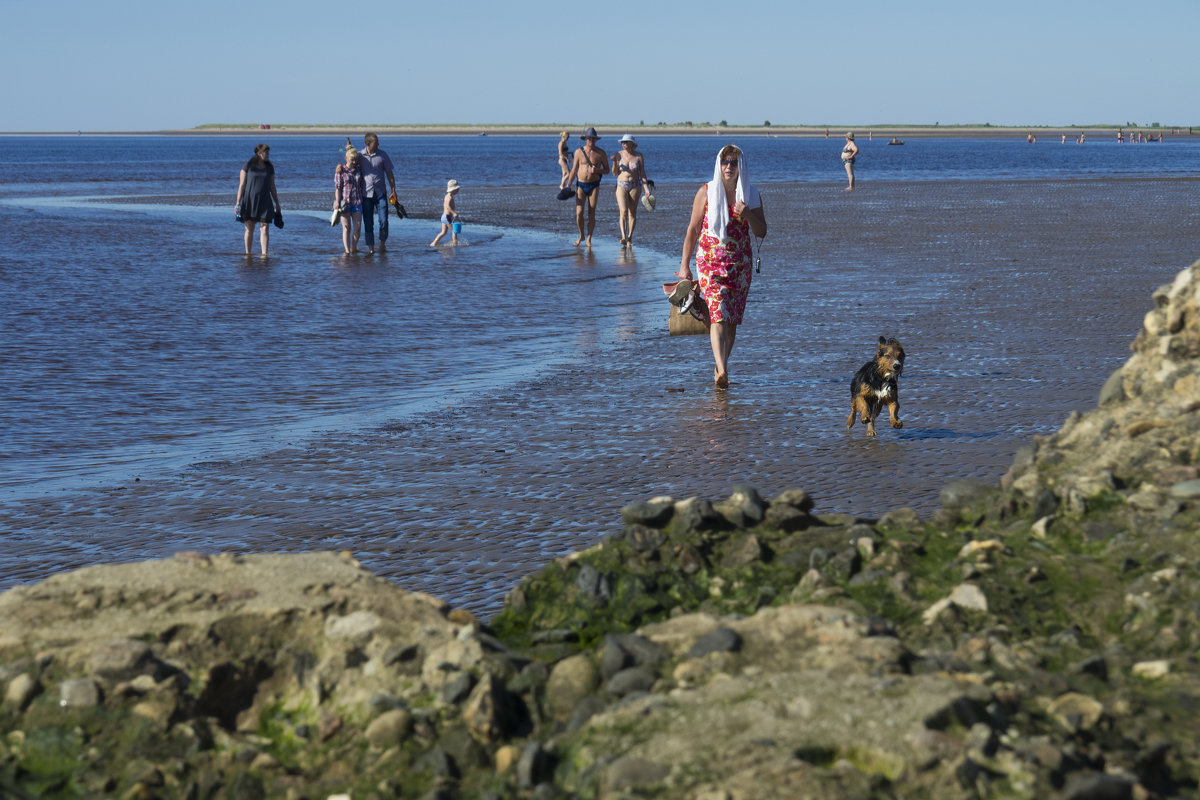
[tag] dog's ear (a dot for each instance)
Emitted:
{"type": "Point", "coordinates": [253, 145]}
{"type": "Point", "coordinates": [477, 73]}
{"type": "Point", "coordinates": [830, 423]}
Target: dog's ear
{"type": "Point", "coordinates": [882, 341]}
{"type": "Point", "coordinates": [892, 340]}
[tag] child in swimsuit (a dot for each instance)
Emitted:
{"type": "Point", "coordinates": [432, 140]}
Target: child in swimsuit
{"type": "Point", "coordinates": [449, 214]}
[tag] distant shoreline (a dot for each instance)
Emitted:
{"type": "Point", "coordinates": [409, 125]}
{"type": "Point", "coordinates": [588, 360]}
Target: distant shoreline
{"type": "Point", "coordinates": [781, 131]}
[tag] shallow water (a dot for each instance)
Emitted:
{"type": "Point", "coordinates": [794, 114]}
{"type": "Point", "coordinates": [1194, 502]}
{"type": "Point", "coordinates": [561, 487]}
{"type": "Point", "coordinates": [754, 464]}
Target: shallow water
{"type": "Point", "coordinates": [457, 417]}
{"type": "Point", "coordinates": [158, 353]}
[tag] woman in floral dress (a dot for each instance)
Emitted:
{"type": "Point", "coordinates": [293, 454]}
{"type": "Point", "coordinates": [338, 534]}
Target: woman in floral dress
{"type": "Point", "coordinates": [725, 212]}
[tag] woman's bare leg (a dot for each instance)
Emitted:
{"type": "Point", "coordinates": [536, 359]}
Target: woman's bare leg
{"type": "Point", "coordinates": [722, 336]}
{"type": "Point", "coordinates": [248, 239]}
{"type": "Point", "coordinates": [346, 233]}
{"type": "Point", "coordinates": [634, 197]}
{"type": "Point", "coordinates": [264, 235]}
{"type": "Point", "coordinates": [622, 211]}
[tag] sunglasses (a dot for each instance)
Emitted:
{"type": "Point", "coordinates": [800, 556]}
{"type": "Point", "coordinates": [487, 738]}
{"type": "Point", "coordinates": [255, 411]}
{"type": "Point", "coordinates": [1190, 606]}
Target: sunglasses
{"type": "Point", "coordinates": [729, 162]}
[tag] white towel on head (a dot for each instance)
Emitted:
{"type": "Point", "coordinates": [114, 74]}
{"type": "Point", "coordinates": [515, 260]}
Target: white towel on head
{"type": "Point", "coordinates": [718, 204]}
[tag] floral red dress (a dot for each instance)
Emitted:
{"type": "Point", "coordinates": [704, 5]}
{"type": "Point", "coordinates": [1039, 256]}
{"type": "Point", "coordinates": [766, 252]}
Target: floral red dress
{"type": "Point", "coordinates": [725, 269]}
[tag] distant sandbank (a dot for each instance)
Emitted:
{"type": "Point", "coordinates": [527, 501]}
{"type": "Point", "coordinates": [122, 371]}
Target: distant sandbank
{"type": "Point", "coordinates": [800, 131]}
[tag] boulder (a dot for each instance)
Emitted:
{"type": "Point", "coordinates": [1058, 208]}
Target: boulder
{"type": "Point", "coordinates": [721, 640]}
{"type": "Point", "coordinates": [655, 512]}
{"type": "Point", "coordinates": [570, 681]}
{"type": "Point", "coordinates": [631, 772]}
{"type": "Point", "coordinates": [962, 494]}
{"type": "Point", "coordinates": [122, 660]}
{"type": "Point", "coordinates": [490, 713]}
{"type": "Point", "coordinates": [21, 690]}
{"type": "Point", "coordinates": [628, 681]}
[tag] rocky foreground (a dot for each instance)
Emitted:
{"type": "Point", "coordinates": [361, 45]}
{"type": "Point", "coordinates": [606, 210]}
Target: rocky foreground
{"type": "Point", "coordinates": [1036, 639]}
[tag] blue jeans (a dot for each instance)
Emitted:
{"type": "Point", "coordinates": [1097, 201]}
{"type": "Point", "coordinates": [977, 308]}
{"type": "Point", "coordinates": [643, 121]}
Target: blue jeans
{"type": "Point", "coordinates": [372, 206]}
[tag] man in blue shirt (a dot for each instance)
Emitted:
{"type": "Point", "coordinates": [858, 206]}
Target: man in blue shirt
{"type": "Point", "coordinates": [375, 166]}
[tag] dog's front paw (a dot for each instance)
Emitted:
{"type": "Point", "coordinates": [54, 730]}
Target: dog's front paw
{"type": "Point", "coordinates": [871, 432]}
{"type": "Point", "coordinates": [897, 423]}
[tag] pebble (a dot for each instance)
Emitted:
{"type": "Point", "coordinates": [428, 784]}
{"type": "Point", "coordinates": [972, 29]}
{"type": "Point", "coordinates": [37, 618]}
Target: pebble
{"type": "Point", "coordinates": [1186, 490]}
{"type": "Point", "coordinates": [1152, 670]}
{"type": "Point", "coordinates": [79, 693]}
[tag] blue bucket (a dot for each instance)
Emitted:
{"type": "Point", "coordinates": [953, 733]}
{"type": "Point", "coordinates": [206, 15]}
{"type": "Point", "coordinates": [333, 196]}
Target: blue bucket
{"type": "Point", "coordinates": [457, 226]}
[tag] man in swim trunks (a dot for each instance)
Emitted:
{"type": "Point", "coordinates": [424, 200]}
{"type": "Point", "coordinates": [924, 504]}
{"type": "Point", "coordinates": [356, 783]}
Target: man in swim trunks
{"type": "Point", "coordinates": [588, 167]}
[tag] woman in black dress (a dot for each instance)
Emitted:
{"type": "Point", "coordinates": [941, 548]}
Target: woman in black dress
{"type": "Point", "coordinates": [257, 200]}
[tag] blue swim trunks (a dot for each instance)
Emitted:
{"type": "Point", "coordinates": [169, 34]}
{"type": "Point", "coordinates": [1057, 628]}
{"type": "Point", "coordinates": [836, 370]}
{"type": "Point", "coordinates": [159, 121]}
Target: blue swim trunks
{"type": "Point", "coordinates": [587, 188]}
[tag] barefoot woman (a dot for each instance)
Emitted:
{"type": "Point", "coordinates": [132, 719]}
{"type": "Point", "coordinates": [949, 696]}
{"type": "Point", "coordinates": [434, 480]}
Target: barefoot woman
{"type": "Point", "coordinates": [630, 168]}
{"type": "Point", "coordinates": [724, 213]}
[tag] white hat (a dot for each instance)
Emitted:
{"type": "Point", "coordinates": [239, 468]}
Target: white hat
{"type": "Point", "coordinates": [452, 185]}
{"type": "Point", "coordinates": [628, 138]}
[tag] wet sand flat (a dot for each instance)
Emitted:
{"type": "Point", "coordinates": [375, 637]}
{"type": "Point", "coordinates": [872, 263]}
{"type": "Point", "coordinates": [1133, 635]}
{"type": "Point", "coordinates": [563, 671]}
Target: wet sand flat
{"type": "Point", "coordinates": [1014, 301]}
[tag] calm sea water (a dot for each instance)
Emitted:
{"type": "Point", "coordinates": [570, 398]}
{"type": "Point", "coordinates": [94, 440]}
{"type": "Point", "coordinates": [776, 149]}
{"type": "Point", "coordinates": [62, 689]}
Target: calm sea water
{"type": "Point", "coordinates": [136, 336]}
{"type": "Point", "coordinates": [138, 165]}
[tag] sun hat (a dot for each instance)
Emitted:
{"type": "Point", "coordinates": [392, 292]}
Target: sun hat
{"type": "Point", "coordinates": [649, 202]}
{"type": "Point", "coordinates": [628, 138]}
{"type": "Point", "coordinates": [452, 185]}
{"type": "Point", "coordinates": [566, 193]}
{"type": "Point", "coordinates": [590, 133]}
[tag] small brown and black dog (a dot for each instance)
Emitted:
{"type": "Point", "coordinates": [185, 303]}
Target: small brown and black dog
{"type": "Point", "coordinates": [875, 384]}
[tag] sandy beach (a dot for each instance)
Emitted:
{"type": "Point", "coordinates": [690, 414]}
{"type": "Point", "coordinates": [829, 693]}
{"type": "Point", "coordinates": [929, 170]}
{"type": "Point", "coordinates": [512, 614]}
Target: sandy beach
{"type": "Point", "coordinates": [1014, 301]}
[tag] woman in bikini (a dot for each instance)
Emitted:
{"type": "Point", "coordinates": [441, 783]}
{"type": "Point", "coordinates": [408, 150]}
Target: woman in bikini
{"type": "Point", "coordinates": [848, 154]}
{"type": "Point", "coordinates": [630, 168]}
{"type": "Point", "coordinates": [564, 159]}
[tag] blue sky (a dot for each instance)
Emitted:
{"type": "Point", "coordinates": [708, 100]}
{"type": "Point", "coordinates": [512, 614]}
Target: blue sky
{"type": "Point", "coordinates": [138, 65]}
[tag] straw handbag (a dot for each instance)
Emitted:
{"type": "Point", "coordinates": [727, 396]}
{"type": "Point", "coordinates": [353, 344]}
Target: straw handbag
{"type": "Point", "coordinates": [686, 324]}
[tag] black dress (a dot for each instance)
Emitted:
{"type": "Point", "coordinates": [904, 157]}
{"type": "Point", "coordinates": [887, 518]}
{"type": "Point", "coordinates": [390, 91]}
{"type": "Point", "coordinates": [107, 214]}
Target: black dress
{"type": "Point", "coordinates": [256, 197]}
